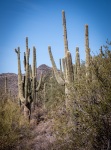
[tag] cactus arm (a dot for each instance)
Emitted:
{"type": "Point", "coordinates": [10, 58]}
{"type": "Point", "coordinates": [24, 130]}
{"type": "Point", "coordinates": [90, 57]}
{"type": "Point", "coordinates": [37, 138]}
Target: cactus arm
{"type": "Point", "coordinates": [64, 66]}
{"type": "Point", "coordinates": [40, 81]}
{"type": "Point", "coordinates": [24, 61]}
{"type": "Point", "coordinates": [70, 77]}
{"type": "Point", "coordinates": [60, 67]}
{"type": "Point", "coordinates": [77, 65]}
{"type": "Point", "coordinates": [30, 71]}
{"type": "Point", "coordinates": [27, 71]}
{"type": "Point", "coordinates": [57, 76]}
{"type": "Point", "coordinates": [20, 85]}
{"type": "Point", "coordinates": [16, 51]}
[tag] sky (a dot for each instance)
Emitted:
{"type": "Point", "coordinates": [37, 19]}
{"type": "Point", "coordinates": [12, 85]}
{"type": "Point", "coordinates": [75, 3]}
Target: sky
{"type": "Point", "coordinates": [41, 22]}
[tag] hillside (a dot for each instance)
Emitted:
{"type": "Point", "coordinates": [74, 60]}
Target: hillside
{"type": "Point", "coordinates": [13, 78]}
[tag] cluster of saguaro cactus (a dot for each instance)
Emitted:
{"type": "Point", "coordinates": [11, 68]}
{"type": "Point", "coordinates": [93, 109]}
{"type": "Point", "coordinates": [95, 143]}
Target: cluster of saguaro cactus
{"type": "Point", "coordinates": [71, 72]}
{"type": "Point", "coordinates": [27, 85]}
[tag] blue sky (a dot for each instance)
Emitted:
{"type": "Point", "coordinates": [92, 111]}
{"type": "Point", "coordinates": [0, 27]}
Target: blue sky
{"type": "Point", "coordinates": [41, 22]}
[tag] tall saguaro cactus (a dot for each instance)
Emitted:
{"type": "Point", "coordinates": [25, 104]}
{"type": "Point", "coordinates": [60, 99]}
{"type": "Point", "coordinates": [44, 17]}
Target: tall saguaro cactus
{"type": "Point", "coordinates": [28, 87]}
{"type": "Point", "coordinates": [68, 80]}
{"type": "Point", "coordinates": [67, 67]}
{"type": "Point", "coordinates": [34, 77]}
{"type": "Point", "coordinates": [65, 32]}
{"type": "Point", "coordinates": [27, 71]}
{"type": "Point", "coordinates": [20, 86]}
{"type": "Point", "coordinates": [87, 49]}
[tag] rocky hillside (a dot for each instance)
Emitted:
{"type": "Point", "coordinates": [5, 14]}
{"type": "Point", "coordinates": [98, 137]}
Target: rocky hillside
{"type": "Point", "coordinates": [44, 69]}
{"type": "Point", "coordinates": [12, 78]}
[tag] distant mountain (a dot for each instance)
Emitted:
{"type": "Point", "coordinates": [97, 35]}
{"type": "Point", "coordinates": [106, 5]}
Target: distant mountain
{"type": "Point", "coordinates": [44, 69]}
{"type": "Point", "coordinates": [12, 82]}
{"type": "Point", "coordinates": [13, 78]}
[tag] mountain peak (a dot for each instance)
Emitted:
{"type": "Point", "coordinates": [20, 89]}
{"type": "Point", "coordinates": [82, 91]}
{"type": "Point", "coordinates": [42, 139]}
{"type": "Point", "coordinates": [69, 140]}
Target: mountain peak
{"type": "Point", "coordinates": [44, 67]}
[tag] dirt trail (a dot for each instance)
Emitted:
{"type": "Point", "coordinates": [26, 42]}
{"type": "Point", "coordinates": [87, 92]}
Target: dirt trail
{"type": "Point", "coordinates": [43, 136]}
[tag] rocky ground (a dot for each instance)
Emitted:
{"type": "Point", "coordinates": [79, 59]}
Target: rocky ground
{"type": "Point", "coordinates": [41, 135]}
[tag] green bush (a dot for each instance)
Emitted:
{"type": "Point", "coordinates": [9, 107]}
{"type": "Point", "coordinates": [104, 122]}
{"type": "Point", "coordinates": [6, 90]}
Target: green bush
{"type": "Point", "coordinates": [90, 126]}
{"type": "Point", "coordinates": [12, 124]}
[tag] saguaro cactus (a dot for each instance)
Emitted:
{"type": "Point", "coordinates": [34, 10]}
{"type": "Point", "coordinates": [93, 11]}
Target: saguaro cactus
{"type": "Point", "coordinates": [44, 96]}
{"type": "Point", "coordinates": [28, 87]}
{"type": "Point", "coordinates": [101, 52]}
{"type": "Point", "coordinates": [6, 87]}
{"type": "Point", "coordinates": [60, 67]}
{"type": "Point", "coordinates": [77, 65]}
{"type": "Point", "coordinates": [65, 32]}
{"type": "Point", "coordinates": [87, 49]}
{"type": "Point", "coordinates": [20, 88]}
{"type": "Point", "coordinates": [69, 76]}
{"type": "Point", "coordinates": [34, 78]}
{"type": "Point", "coordinates": [67, 67]}
{"type": "Point", "coordinates": [30, 71]}
{"type": "Point", "coordinates": [57, 76]}
{"type": "Point", "coordinates": [64, 67]}
{"type": "Point", "coordinates": [35, 87]}
{"type": "Point", "coordinates": [68, 80]}
{"type": "Point", "coordinates": [27, 71]}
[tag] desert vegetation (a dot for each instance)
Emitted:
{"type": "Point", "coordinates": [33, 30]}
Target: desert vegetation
{"type": "Point", "coordinates": [67, 108]}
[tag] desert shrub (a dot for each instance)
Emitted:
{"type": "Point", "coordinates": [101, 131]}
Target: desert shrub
{"type": "Point", "coordinates": [12, 125]}
{"type": "Point", "coordinates": [91, 117]}
{"type": "Point", "coordinates": [54, 93]}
